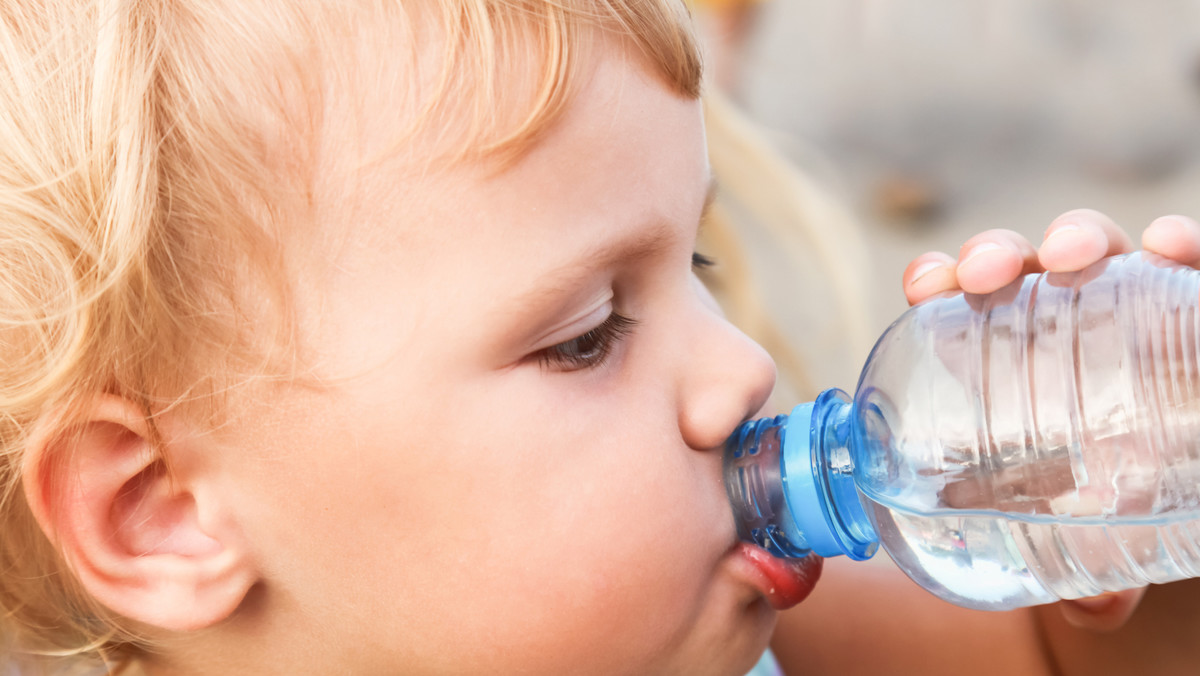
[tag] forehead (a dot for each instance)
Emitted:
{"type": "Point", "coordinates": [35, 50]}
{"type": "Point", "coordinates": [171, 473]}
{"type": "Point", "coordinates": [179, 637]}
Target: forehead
{"type": "Point", "coordinates": [626, 153]}
{"type": "Point", "coordinates": [606, 149]}
{"type": "Point", "coordinates": [623, 168]}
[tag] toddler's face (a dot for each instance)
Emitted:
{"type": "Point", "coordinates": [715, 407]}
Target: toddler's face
{"type": "Point", "coordinates": [515, 462]}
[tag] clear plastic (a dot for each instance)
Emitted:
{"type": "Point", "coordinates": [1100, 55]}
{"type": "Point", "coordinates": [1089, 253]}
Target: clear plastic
{"type": "Point", "coordinates": [1035, 444]}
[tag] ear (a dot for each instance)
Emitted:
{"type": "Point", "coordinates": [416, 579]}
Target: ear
{"type": "Point", "coordinates": [134, 533]}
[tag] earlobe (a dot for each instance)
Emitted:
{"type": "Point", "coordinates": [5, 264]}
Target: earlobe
{"type": "Point", "coordinates": [132, 530]}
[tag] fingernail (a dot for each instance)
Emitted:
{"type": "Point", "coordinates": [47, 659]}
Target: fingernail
{"type": "Point", "coordinates": [924, 269]}
{"type": "Point", "coordinates": [1060, 229]}
{"type": "Point", "coordinates": [980, 249]}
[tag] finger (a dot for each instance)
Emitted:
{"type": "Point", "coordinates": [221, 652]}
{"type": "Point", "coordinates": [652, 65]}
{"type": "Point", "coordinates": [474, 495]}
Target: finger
{"type": "Point", "coordinates": [1079, 238]}
{"type": "Point", "coordinates": [1176, 237]}
{"type": "Point", "coordinates": [929, 274]}
{"type": "Point", "coordinates": [992, 259]}
{"type": "Point", "coordinates": [1102, 613]}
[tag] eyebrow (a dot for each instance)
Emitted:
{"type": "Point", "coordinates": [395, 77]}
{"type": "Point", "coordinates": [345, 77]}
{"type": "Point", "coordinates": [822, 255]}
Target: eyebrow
{"type": "Point", "coordinates": [645, 244]}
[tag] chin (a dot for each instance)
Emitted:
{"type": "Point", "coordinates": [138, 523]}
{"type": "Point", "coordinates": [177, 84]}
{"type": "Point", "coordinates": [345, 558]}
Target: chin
{"type": "Point", "coordinates": [736, 644]}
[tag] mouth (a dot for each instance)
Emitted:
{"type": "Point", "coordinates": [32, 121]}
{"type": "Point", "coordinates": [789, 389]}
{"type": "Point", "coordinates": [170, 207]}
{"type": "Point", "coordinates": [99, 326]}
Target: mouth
{"type": "Point", "coordinates": [782, 582]}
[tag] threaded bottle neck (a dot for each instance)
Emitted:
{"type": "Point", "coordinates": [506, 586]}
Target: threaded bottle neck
{"type": "Point", "coordinates": [790, 482]}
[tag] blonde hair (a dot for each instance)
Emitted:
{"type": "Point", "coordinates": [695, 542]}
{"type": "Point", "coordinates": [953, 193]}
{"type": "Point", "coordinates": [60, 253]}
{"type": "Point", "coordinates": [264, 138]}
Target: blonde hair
{"type": "Point", "coordinates": [151, 156]}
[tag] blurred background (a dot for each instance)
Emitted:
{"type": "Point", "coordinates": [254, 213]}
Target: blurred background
{"type": "Point", "coordinates": [932, 120]}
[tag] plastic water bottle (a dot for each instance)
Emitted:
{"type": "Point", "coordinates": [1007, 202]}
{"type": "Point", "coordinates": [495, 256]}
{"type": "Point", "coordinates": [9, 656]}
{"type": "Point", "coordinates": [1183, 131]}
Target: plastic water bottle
{"type": "Point", "coordinates": [1034, 444]}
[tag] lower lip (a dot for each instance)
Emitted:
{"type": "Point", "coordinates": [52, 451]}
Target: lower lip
{"type": "Point", "coordinates": [783, 582]}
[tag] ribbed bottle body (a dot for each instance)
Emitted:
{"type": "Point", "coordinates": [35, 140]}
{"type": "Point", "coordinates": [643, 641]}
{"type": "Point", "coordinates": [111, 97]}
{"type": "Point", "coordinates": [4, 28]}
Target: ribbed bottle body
{"type": "Point", "coordinates": [1041, 442]}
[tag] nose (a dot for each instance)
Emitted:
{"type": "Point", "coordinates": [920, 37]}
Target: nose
{"type": "Point", "coordinates": [727, 378]}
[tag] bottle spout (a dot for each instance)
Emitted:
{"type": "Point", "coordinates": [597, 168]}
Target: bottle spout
{"type": "Point", "coordinates": [790, 482]}
{"type": "Point", "coordinates": [753, 480]}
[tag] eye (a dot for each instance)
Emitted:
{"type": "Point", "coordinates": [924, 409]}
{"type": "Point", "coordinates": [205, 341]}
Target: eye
{"type": "Point", "coordinates": [702, 262]}
{"type": "Point", "coordinates": [590, 349]}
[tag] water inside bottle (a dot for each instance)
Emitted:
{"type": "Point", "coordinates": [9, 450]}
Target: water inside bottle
{"type": "Point", "coordinates": [990, 562]}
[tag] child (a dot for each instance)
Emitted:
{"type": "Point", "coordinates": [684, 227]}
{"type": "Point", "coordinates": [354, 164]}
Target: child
{"type": "Point", "coordinates": [363, 338]}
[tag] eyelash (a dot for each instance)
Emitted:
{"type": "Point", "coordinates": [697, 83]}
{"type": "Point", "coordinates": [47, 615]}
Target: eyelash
{"type": "Point", "coordinates": [593, 348]}
{"type": "Point", "coordinates": [590, 349]}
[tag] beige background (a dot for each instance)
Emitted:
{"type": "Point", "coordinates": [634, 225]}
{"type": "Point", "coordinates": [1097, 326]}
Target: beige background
{"type": "Point", "coordinates": [1003, 113]}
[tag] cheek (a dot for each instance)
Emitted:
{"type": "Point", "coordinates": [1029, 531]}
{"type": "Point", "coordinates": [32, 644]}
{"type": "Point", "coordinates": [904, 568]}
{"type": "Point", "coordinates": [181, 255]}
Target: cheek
{"type": "Point", "coordinates": [590, 512]}
{"type": "Point", "coordinates": [593, 491]}
{"type": "Point", "coordinates": [520, 517]}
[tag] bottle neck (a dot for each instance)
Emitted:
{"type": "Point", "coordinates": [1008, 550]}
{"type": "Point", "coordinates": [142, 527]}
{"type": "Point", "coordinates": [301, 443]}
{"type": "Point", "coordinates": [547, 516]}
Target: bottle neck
{"type": "Point", "coordinates": [790, 482]}
{"type": "Point", "coordinates": [818, 468]}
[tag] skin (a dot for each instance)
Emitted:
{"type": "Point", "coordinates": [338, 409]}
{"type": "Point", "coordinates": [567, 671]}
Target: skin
{"type": "Point", "coordinates": [909, 631]}
{"type": "Point", "coordinates": [455, 500]}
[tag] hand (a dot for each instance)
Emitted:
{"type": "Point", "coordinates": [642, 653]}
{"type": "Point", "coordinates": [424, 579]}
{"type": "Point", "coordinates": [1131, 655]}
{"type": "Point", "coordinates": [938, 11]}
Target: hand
{"type": "Point", "coordinates": [991, 260]}
{"type": "Point", "coordinates": [1074, 240]}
